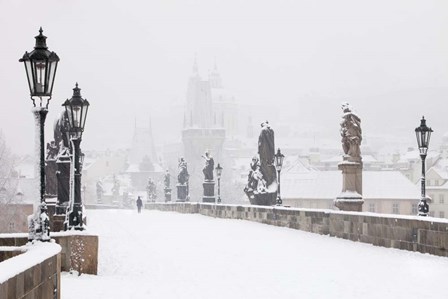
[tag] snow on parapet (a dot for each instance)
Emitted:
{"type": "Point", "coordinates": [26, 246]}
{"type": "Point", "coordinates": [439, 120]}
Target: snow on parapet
{"type": "Point", "coordinates": [33, 254]}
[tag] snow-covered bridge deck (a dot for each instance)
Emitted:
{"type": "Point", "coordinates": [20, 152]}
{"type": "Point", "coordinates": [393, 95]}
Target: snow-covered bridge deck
{"type": "Point", "coordinates": [169, 255]}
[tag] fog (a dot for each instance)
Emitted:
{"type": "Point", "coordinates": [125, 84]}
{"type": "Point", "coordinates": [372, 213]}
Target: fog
{"type": "Point", "coordinates": [299, 59]}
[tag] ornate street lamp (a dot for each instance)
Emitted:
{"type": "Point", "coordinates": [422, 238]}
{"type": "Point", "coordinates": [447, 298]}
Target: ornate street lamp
{"type": "Point", "coordinates": [278, 166]}
{"type": "Point", "coordinates": [76, 109]}
{"type": "Point", "coordinates": [423, 134]}
{"type": "Point", "coordinates": [40, 66]}
{"type": "Point", "coordinates": [218, 170]}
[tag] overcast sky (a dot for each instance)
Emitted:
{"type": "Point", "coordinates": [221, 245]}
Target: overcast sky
{"type": "Point", "coordinates": [132, 59]}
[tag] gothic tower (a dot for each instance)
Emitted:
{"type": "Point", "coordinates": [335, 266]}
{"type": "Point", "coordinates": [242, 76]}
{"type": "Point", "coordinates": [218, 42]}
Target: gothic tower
{"type": "Point", "coordinates": [200, 133]}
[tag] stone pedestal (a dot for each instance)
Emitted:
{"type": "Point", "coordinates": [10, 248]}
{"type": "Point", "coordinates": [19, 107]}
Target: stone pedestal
{"type": "Point", "coordinates": [57, 224]}
{"type": "Point", "coordinates": [182, 193]}
{"type": "Point", "coordinates": [167, 194]}
{"type": "Point", "coordinates": [209, 191]}
{"type": "Point", "coordinates": [264, 199]}
{"type": "Point", "coordinates": [51, 183]}
{"type": "Point", "coordinates": [350, 198]}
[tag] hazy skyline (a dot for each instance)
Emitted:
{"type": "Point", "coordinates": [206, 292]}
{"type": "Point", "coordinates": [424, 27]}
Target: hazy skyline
{"type": "Point", "coordinates": [132, 60]}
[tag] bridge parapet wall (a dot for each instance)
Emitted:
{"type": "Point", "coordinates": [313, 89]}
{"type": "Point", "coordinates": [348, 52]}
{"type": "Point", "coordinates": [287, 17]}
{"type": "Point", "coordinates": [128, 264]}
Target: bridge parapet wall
{"type": "Point", "coordinates": [413, 233]}
{"type": "Point", "coordinates": [79, 249]}
{"type": "Point", "coordinates": [34, 273]}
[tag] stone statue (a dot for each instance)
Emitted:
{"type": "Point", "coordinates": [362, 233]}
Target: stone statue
{"type": "Point", "coordinates": [60, 130]}
{"type": "Point", "coordinates": [166, 179]}
{"type": "Point", "coordinates": [116, 188]}
{"type": "Point", "coordinates": [261, 188]}
{"type": "Point", "coordinates": [255, 181]}
{"type": "Point", "coordinates": [151, 190]}
{"type": "Point", "coordinates": [99, 190]}
{"type": "Point", "coordinates": [350, 132]}
{"type": "Point", "coordinates": [209, 167]}
{"type": "Point", "coordinates": [183, 175]}
{"type": "Point", "coordinates": [266, 146]}
{"type": "Point", "coordinates": [52, 151]}
{"type": "Point", "coordinates": [266, 152]}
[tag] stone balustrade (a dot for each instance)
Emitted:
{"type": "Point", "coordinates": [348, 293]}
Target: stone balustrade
{"type": "Point", "coordinates": [413, 233]}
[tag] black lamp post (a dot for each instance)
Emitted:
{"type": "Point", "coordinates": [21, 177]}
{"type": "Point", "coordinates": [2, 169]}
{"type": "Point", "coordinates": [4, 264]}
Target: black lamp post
{"type": "Point", "coordinates": [218, 170]}
{"type": "Point", "coordinates": [423, 134]}
{"type": "Point", "coordinates": [76, 109]}
{"type": "Point", "coordinates": [278, 166]}
{"type": "Point", "coordinates": [40, 66]}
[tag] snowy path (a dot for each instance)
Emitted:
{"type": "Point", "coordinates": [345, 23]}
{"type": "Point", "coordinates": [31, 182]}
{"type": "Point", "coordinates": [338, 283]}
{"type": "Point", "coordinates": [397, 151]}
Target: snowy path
{"type": "Point", "coordinates": [169, 255]}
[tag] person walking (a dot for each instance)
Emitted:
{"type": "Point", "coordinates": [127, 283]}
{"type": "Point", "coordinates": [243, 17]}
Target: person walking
{"type": "Point", "coordinates": [139, 204]}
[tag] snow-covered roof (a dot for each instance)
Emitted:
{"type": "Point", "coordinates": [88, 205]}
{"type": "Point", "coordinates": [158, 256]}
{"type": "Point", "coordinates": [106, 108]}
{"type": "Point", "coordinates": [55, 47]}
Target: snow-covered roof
{"type": "Point", "coordinates": [328, 185]}
{"type": "Point", "coordinates": [441, 167]}
{"type": "Point", "coordinates": [338, 158]}
{"type": "Point", "coordinates": [415, 155]}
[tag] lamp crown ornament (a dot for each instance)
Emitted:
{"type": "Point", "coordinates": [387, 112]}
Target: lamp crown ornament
{"type": "Point", "coordinates": [41, 40]}
{"type": "Point", "coordinates": [76, 91]}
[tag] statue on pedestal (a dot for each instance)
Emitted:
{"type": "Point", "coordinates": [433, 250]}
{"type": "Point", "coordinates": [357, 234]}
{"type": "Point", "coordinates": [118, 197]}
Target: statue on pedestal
{"type": "Point", "coordinates": [261, 188]}
{"type": "Point", "coordinates": [350, 198]}
{"type": "Point", "coordinates": [183, 175]}
{"type": "Point", "coordinates": [151, 190]}
{"type": "Point", "coordinates": [208, 184]}
{"type": "Point", "coordinates": [182, 179]}
{"type": "Point", "coordinates": [209, 167]}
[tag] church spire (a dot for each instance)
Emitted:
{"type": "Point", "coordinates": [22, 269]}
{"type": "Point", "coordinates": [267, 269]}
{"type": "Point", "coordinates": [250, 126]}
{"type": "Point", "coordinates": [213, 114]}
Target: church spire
{"type": "Point", "coordinates": [215, 77]}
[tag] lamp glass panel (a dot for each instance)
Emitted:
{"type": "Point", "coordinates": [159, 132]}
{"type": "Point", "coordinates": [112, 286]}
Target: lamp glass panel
{"type": "Point", "coordinates": [29, 74]}
{"type": "Point", "coordinates": [50, 76]}
{"type": "Point", "coordinates": [41, 68]}
{"type": "Point", "coordinates": [84, 116]}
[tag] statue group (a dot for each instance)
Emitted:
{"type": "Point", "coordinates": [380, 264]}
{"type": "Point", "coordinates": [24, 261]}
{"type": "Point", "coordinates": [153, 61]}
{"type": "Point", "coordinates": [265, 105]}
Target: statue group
{"type": "Point", "coordinates": [261, 188]}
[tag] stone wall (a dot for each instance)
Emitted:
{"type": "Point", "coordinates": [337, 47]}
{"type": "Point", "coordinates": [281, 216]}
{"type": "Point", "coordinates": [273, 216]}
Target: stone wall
{"type": "Point", "coordinates": [79, 250]}
{"type": "Point", "coordinates": [36, 273]}
{"type": "Point", "coordinates": [422, 234]}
